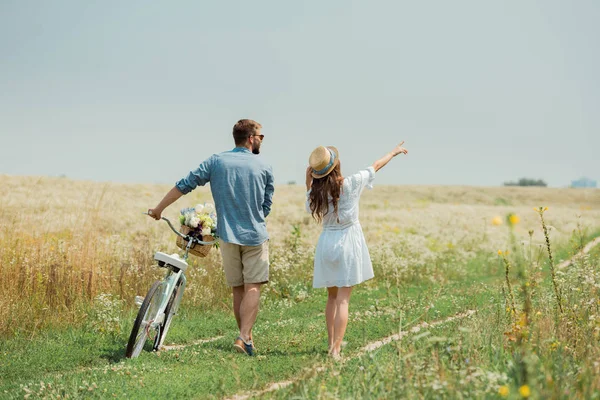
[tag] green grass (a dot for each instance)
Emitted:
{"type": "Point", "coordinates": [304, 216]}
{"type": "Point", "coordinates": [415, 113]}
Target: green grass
{"type": "Point", "coordinates": [289, 339]}
{"type": "Point", "coordinates": [466, 358]}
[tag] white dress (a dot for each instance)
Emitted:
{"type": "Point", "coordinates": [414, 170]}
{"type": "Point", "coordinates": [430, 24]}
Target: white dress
{"type": "Point", "coordinates": [342, 257]}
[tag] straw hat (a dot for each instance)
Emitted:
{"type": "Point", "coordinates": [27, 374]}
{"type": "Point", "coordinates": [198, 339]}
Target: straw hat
{"type": "Point", "coordinates": [323, 160]}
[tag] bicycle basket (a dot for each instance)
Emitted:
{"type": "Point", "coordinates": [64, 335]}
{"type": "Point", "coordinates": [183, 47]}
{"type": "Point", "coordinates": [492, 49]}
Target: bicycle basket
{"type": "Point", "coordinates": [196, 249]}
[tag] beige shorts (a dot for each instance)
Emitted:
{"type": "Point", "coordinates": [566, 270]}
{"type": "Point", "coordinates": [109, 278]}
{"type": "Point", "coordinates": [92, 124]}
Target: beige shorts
{"type": "Point", "coordinates": [245, 264]}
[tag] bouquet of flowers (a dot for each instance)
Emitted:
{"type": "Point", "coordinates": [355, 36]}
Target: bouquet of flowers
{"type": "Point", "coordinates": [202, 218]}
{"type": "Point", "coordinates": [198, 222]}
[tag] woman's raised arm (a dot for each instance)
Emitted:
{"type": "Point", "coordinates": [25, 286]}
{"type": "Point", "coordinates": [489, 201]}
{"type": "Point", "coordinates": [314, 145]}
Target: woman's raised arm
{"type": "Point", "coordinates": [377, 165]}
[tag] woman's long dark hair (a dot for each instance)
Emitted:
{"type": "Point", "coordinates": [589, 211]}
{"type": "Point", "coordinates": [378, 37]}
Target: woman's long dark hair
{"type": "Point", "coordinates": [324, 189]}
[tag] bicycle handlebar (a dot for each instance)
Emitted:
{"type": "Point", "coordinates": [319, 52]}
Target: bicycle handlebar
{"type": "Point", "coordinates": [186, 237]}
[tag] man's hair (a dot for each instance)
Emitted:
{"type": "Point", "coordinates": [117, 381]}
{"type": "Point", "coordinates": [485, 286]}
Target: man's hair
{"type": "Point", "coordinates": [243, 129]}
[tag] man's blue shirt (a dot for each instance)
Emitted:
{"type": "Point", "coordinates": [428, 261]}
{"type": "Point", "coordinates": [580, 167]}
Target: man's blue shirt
{"type": "Point", "coordinates": [242, 187]}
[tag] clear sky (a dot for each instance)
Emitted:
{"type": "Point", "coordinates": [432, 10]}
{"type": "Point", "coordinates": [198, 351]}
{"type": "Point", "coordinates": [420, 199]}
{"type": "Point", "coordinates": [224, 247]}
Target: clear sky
{"type": "Point", "coordinates": [142, 91]}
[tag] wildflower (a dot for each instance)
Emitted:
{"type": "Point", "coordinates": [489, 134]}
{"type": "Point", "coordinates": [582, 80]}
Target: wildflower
{"type": "Point", "coordinates": [499, 252]}
{"type": "Point", "coordinates": [209, 208]}
{"type": "Point", "coordinates": [503, 391]}
{"type": "Point", "coordinates": [194, 221]}
{"type": "Point", "coordinates": [512, 219]}
{"type": "Point", "coordinates": [525, 391]}
{"type": "Point", "coordinates": [523, 320]}
{"type": "Point", "coordinates": [497, 221]}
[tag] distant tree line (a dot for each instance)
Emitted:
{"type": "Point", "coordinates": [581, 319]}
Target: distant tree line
{"type": "Point", "coordinates": [527, 182]}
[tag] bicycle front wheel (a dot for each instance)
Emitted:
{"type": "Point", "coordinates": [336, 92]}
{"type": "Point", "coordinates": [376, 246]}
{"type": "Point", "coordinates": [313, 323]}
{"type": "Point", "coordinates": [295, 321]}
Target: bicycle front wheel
{"type": "Point", "coordinates": [142, 325]}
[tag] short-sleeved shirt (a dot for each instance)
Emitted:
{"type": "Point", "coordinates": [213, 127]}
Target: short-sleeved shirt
{"type": "Point", "coordinates": [242, 187]}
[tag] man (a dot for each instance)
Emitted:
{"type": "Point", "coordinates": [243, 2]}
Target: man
{"type": "Point", "coordinates": [242, 188]}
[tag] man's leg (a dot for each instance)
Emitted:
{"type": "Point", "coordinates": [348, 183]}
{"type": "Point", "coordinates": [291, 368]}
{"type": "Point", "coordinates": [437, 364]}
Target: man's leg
{"type": "Point", "coordinates": [255, 261]}
{"type": "Point", "coordinates": [238, 296]}
{"type": "Point", "coordinates": [232, 266]}
{"type": "Point", "coordinates": [249, 310]}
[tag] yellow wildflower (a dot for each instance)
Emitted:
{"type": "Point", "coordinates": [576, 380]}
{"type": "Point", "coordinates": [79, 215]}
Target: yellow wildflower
{"type": "Point", "coordinates": [503, 391]}
{"type": "Point", "coordinates": [497, 221]}
{"type": "Point", "coordinates": [499, 252]}
{"type": "Point", "coordinates": [525, 391]}
{"type": "Point", "coordinates": [512, 219]}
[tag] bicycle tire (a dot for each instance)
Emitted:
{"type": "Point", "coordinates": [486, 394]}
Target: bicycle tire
{"type": "Point", "coordinates": [139, 334]}
{"type": "Point", "coordinates": [164, 329]}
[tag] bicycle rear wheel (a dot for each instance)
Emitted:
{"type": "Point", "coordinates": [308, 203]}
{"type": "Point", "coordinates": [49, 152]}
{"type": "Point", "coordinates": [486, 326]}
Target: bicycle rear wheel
{"type": "Point", "coordinates": [146, 315]}
{"type": "Point", "coordinates": [170, 310]}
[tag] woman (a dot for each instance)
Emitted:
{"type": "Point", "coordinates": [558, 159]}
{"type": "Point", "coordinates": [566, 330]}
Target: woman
{"type": "Point", "coordinates": [342, 258]}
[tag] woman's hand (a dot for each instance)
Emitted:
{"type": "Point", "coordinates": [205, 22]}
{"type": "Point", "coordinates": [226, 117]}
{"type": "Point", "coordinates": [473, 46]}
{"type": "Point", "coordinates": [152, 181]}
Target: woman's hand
{"type": "Point", "coordinates": [309, 178]}
{"type": "Point", "coordinates": [399, 149]}
{"type": "Point", "coordinates": [382, 162]}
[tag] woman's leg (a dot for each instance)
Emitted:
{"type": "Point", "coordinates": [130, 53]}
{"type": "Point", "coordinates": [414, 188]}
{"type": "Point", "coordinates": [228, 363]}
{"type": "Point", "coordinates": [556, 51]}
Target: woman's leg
{"type": "Point", "coordinates": [330, 314]}
{"type": "Point", "coordinates": [342, 301]}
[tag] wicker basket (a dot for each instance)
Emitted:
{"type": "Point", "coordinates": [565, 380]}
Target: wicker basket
{"type": "Point", "coordinates": [199, 250]}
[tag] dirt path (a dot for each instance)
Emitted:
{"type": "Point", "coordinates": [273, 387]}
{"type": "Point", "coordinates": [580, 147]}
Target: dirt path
{"type": "Point", "coordinates": [379, 343]}
{"type": "Point", "coordinates": [366, 349]}
{"type": "Point", "coordinates": [183, 346]}
{"type": "Point", "coordinates": [588, 247]}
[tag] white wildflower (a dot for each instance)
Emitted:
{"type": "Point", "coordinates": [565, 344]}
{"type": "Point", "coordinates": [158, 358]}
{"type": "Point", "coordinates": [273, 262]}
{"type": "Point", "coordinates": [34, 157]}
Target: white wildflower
{"type": "Point", "coordinates": [208, 208]}
{"type": "Point", "coordinates": [194, 221]}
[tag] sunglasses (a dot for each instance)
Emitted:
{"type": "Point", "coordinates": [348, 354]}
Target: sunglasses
{"type": "Point", "coordinates": [260, 136]}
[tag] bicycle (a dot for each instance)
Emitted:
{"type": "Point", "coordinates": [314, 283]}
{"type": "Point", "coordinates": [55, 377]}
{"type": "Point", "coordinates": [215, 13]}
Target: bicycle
{"type": "Point", "coordinates": [162, 300]}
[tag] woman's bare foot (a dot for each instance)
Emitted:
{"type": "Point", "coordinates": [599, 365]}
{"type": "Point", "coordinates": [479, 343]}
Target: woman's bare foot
{"type": "Point", "coordinates": [335, 355]}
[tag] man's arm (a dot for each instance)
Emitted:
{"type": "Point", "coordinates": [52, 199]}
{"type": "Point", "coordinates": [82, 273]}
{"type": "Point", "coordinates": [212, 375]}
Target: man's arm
{"type": "Point", "coordinates": [170, 198]}
{"type": "Point", "coordinates": [269, 189]}
{"type": "Point", "coordinates": [198, 177]}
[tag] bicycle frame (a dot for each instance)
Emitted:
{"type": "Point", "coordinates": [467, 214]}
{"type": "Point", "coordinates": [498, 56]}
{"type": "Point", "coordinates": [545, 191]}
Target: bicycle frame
{"type": "Point", "coordinates": [167, 287]}
{"type": "Point", "coordinates": [169, 282]}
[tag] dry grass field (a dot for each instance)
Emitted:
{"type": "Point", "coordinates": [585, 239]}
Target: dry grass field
{"type": "Point", "coordinates": [463, 278]}
{"type": "Point", "coordinates": [64, 243]}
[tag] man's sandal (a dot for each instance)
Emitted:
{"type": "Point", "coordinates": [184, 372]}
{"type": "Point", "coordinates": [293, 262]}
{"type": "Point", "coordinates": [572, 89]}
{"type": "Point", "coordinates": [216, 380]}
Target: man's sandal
{"type": "Point", "coordinates": [242, 347]}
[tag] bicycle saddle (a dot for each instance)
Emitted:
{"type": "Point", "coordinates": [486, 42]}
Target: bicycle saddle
{"type": "Point", "coordinates": [172, 259]}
